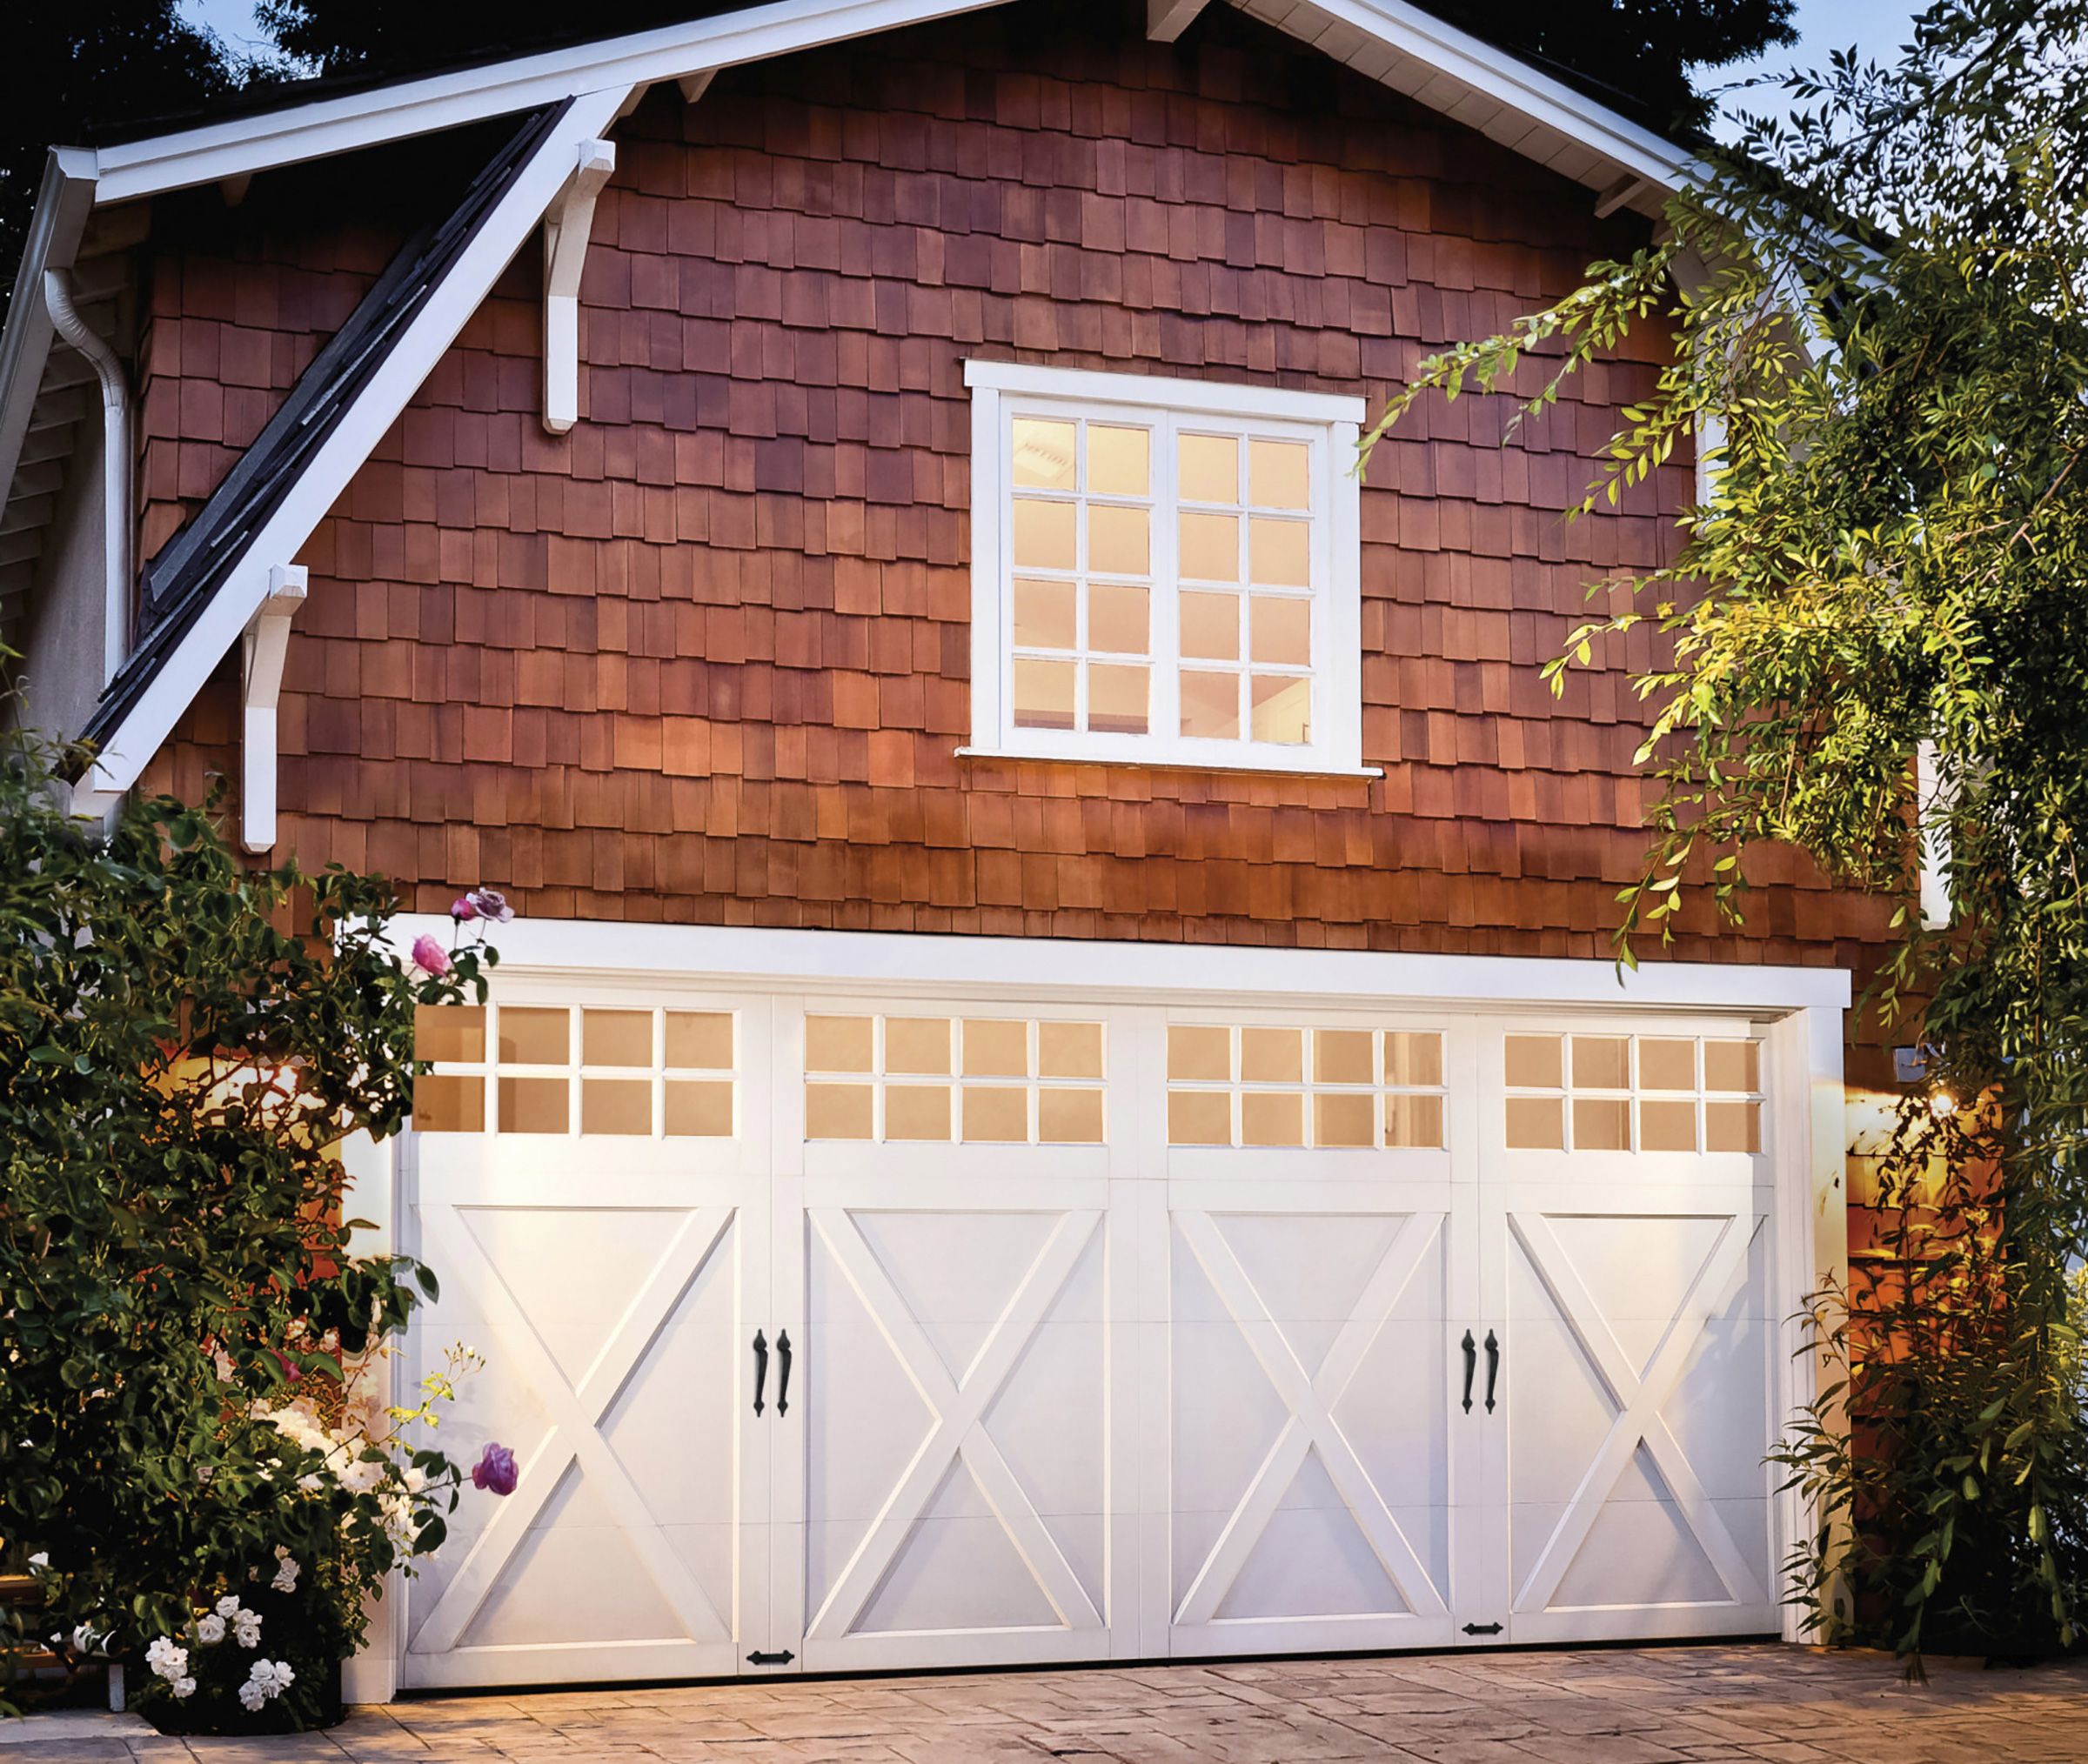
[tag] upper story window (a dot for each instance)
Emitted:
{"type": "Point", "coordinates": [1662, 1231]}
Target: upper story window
{"type": "Point", "coordinates": [1164, 571]}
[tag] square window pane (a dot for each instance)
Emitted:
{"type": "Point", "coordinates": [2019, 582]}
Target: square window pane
{"type": "Point", "coordinates": [453, 1033]}
{"type": "Point", "coordinates": [1210, 548]}
{"type": "Point", "coordinates": [1278, 474]}
{"type": "Point", "coordinates": [1070, 1050]}
{"type": "Point", "coordinates": [917, 1112]}
{"type": "Point", "coordinates": [1210, 626]}
{"type": "Point", "coordinates": [535, 1038]}
{"type": "Point", "coordinates": [1272, 1118]}
{"type": "Point", "coordinates": [1207, 468]}
{"type": "Point", "coordinates": [1117, 619]}
{"type": "Point", "coordinates": [1119, 460]}
{"type": "Point", "coordinates": [995, 1114]}
{"type": "Point", "coordinates": [615, 1037]}
{"type": "Point", "coordinates": [532, 1105]}
{"type": "Point", "coordinates": [1044, 694]}
{"type": "Point", "coordinates": [837, 1044]}
{"type": "Point", "coordinates": [701, 1039]}
{"type": "Point", "coordinates": [1339, 1119]}
{"type": "Point", "coordinates": [1272, 1056]}
{"type": "Point", "coordinates": [443, 1105]}
{"type": "Point", "coordinates": [1667, 1126]}
{"type": "Point", "coordinates": [703, 1110]}
{"type": "Point", "coordinates": [917, 1044]}
{"type": "Point", "coordinates": [1200, 1118]}
{"type": "Point", "coordinates": [1044, 614]}
{"type": "Point", "coordinates": [1666, 1065]}
{"type": "Point", "coordinates": [1534, 1062]}
{"type": "Point", "coordinates": [1414, 1120]}
{"type": "Point", "coordinates": [1413, 1056]}
{"type": "Point", "coordinates": [1071, 1117]}
{"type": "Point", "coordinates": [1342, 1056]}
{"type": "Point", "coordinates": [1042, 452]}
{"type": "Point", "coordinates": [1281, 630]}
{"type": "Point", "coordinates": [616, 1106]}
{"type": "Point", "coordinates": [1119, 543]}
{"type": "Point", "coordinates": [1278, 552]}
{"type": "Point", "coordinates": [1199, 1053]}
{"type": "Point", "coordinates": [1732, 1126]}
{"type": "Point", "coordinates": [1283, 709]}
{"type": "Point", "coordinates": [1602, 1062]}
{"type": "Point", "coordinates": [1044, 534]}
{"type": "Point", "coordinates": [1601, 1123]}
{"type": "Point", "coordinates": [1534, 1124]}
{"type": "Point", "coordinates": [1732, 1065]}
{"type": "Point", "coordinates": [996, 1047]}
{"type": "Point", "coordinates": [835, 1111]}
{"type": "Point", "coordinates": [1116, 699]}
{"type": "Point", "coordinates": [1210, 706]}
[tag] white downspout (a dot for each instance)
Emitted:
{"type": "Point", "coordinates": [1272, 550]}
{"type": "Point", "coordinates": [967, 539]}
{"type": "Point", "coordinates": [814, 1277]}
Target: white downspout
{"type": "Point", "coordinates": [116, 467]}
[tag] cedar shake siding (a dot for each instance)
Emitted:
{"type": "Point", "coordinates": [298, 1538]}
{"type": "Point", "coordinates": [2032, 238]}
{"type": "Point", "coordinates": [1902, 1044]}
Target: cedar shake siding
{"type": "Point", "coordinates": [706, 657]}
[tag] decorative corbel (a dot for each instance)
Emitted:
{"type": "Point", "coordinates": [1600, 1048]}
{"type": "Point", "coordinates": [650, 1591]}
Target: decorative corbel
{"type": "Point", "coordinates": [1166, 19]}
{"type": "Point", "coordinates": [566, 225]}
{"type": "Point", "coordinates": [266, 642]}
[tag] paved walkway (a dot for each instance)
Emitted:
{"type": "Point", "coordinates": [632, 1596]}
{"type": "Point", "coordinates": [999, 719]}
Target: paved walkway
{"type": "Point", "coordinates": [1723, 1705]}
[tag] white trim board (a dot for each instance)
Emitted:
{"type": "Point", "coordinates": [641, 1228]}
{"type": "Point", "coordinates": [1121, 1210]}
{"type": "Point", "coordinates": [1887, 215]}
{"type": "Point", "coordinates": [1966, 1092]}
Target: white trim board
{"type": "Point", "coordinates": [1104, 969]}
{"type": "Point", "coordinates": [243, 145]}
{"type": "Point", "coordinates": [245, 587]}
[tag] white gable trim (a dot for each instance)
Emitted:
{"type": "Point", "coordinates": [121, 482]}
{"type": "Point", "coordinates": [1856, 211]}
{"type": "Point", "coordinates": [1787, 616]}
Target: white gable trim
{"type": "Point", "coordinates": [511, 221]}
{"type": "Point", "coordinates": [1442, 65]}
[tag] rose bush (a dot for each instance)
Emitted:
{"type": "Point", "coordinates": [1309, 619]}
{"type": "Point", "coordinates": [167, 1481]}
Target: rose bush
{"type": "Point", "coordinates": [195, 1472]}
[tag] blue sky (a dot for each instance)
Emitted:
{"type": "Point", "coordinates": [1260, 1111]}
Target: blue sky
{"type": "Point", "coordinates": [1874, 27]}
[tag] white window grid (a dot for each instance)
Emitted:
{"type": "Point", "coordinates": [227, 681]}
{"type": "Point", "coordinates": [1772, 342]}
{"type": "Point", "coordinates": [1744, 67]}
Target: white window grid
{"type": "Point", "coordinates": [1634, 1093]}
{"type": "Point", "coordinates": [574, 1072]}
{"type": "Point", "coordinates": [1310, 1085]}
{"type": "Point", "coordinates": [1325, 425]}
{"type": "Point", "coordinates": [957, 1080]}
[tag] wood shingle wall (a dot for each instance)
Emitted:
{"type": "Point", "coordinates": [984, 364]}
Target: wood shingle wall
{"type": "Point", "coordinates": [707, 656]}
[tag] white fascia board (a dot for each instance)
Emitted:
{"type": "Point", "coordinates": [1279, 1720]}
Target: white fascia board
{"type": "Point", "coordinates": [1506, 80]}
{"type": "Point", "coordinates": [1092, 969]}
{"type": "Point", "coordinates": [1209, 397]}
{"type": "Point", "coordinates": [513, 221]}
{"type": "Point", "coordinates": [63, 201]}
{"type": "Point", "coordinates": [243, 145]}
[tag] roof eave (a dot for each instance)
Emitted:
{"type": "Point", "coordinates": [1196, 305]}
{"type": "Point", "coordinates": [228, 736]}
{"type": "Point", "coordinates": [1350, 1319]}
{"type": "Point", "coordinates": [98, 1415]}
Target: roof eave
{"type": "Point", "coordinates": [64, 200]}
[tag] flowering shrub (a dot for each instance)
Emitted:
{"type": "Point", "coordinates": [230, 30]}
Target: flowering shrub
{"type": "Point", "coordinates": [194, 1468]}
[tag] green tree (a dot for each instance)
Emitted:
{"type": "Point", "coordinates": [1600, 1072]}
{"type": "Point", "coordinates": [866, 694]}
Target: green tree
{"type": "Point", "coordinates": [80, 67]}
{"type": "Point", "coordinates": [184, 1043]}
{"type": "Point", "coordinates": [1878, 626]}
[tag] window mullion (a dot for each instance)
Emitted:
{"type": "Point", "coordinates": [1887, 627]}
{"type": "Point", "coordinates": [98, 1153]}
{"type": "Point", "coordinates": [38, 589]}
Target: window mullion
{"type": "Point", "coordinates": [1165, 637]}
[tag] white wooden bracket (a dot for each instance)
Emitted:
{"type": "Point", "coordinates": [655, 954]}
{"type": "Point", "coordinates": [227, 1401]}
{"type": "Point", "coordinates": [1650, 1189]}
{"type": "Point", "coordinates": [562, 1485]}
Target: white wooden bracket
{"type": "Point", "coordinates": [1166, 19]}
{"type": "Point", "coordinates": [1626, 188]}
{"type": "Point", "coordinates": [694, 86]}
{"type": "Point", "coordinates": [266, 642]}
{"type": "Point", "coordinates": [566, 225]}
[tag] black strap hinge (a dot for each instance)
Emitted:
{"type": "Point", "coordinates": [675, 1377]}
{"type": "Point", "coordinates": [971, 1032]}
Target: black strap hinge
{"type": "Point", "coordinates": [758, 1658]}
{"type": "Point", "coordinates": [1482, 1629]}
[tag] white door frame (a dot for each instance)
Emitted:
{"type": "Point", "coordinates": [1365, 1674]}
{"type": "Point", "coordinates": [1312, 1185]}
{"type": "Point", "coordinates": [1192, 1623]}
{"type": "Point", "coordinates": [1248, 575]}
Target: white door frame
{"type": "Point", "coordinates": [1798, 1010]}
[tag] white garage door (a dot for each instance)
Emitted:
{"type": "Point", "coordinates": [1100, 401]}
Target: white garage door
{"type": "Point", "coordinates": [840, 1334]}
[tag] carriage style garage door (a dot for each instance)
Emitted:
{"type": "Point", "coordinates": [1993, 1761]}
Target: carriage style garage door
{"type": "Point", "coordinates": [842, 1332]}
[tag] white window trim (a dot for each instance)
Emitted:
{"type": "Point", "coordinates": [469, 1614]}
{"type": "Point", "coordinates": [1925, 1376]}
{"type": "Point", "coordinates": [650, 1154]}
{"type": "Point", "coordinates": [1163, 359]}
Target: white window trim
{"type": "Point", "coordinates": [1338, 660]}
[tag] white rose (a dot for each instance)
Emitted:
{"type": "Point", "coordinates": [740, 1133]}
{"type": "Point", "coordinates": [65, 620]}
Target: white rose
{"type": "Point", "coordinates": [286, 1574]}
{"type": "Point", "coordinates": [246, 1629]}
{"type": "Point", "coordinates": [185, 1687]}
{"type": "Point", "coordinates": [210, 1630]}
{"type": "Point", "coordinates": [228, 1607]}
{"type": "Point", "coordinates": [251, 1696]}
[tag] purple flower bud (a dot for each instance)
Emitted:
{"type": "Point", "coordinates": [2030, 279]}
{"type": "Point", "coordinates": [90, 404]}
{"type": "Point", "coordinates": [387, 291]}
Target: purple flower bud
{"type": "Point", "coordinates": [461, 909]}
{"type": "Point", "coordinates": [430, 956]}
{"type": "Point", "coordinates": [495, 1471]}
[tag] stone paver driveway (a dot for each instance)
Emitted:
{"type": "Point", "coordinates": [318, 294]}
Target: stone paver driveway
{"type": "Point", "coordinates": [1718, 1705]}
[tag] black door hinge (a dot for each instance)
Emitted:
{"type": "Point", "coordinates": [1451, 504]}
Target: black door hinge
{"type": "Point", "coordinates": [1482, 1629]}
{"type": "Point", "coordinates": [758, 1658]}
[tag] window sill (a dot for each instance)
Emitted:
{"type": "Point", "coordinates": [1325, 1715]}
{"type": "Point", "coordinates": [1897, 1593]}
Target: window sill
{"type": "Point", "coordinates": [1247, 769]}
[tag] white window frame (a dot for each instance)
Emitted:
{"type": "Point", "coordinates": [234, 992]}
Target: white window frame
{"type": "Point", "coordinates": [1329, 423]}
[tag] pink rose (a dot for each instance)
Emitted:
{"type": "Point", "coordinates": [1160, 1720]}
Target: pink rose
{"type": "Point", "coordinates": [495, 1471]}
{"type": "Point", "coordinates": [461, 909]}
{"type": "Point", "coordinates": [430, 956]}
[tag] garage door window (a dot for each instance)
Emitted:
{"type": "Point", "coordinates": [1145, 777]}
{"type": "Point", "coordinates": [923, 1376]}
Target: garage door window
{"type": "Point", "coordinates": [1248, 1085]}
{"type": "Point", "coordinates": [595, 1070]}
{"type": "Point", "coordinates": [1632, 1092]}
{"type": "Point", "coordinates": [983, 1081]}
